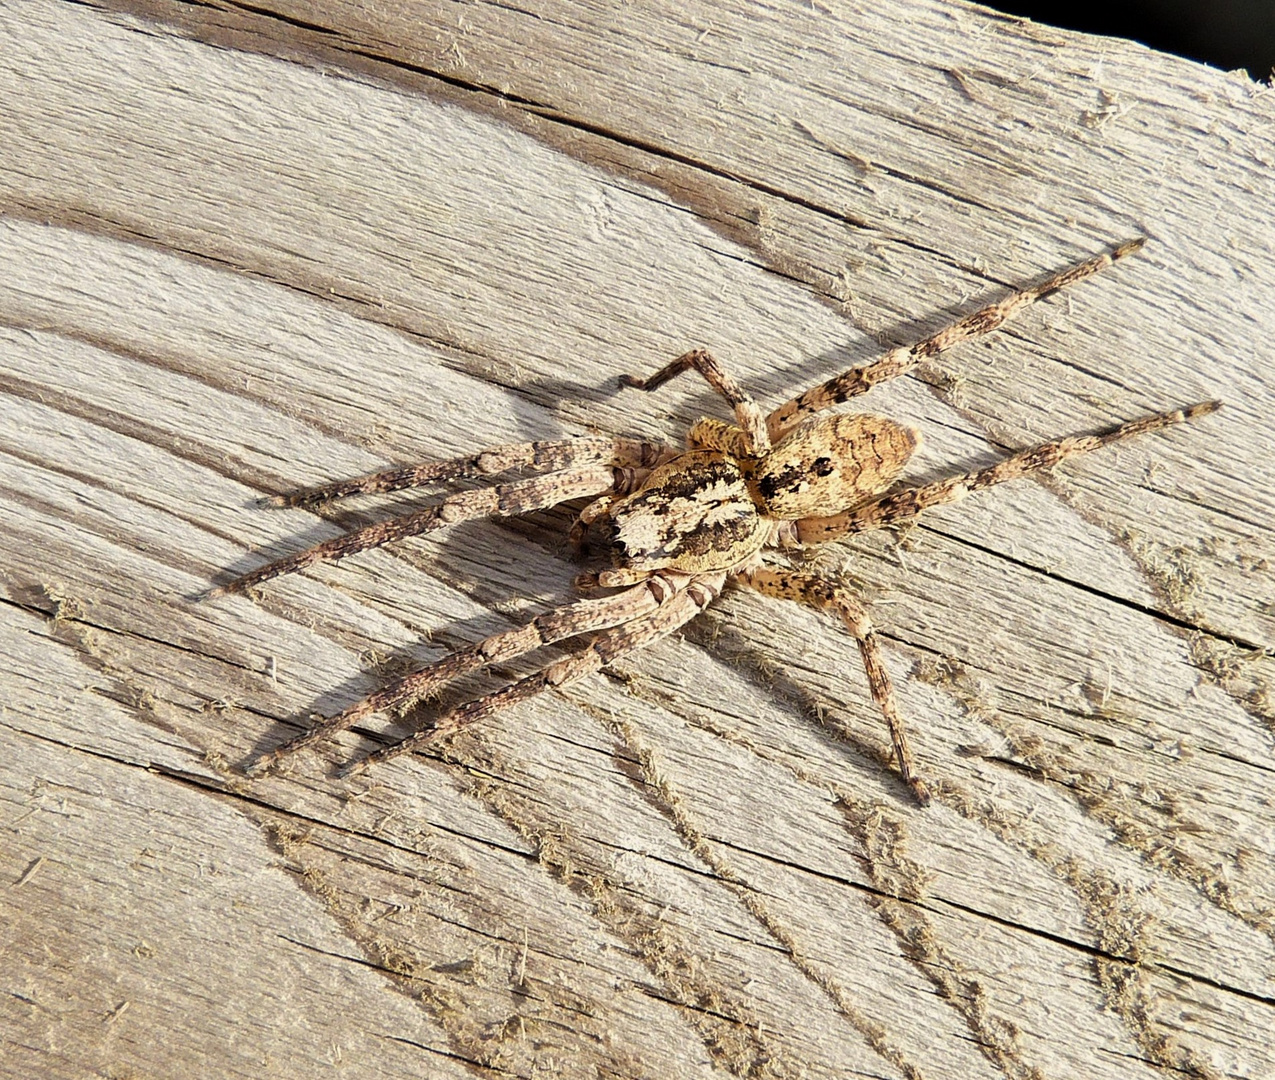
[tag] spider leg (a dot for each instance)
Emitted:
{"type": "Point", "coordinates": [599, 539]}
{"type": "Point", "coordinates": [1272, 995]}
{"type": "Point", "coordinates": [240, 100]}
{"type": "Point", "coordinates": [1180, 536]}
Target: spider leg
{"type": "Point", "coordinates": [549, 456]}
{"type": "Point", "coordinates": [710, 434]}
{"type": "Point", "coordinates": [505, 500]}
{"type": "Point", "coordinates": [601, 650]}
{"type": "Point", "coordinates": [748, 413]}
{"type": "Point", "coordinates": [582, 617]}
{"type": "Point", "coordinates": [901, 505]}
{"type": "Point", "coordinates": [898, 361]}
{"type": "Point", "coordinates": [815, 592]}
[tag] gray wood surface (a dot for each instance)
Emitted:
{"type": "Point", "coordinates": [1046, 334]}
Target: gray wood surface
{"type": "Point", "coordinates": [245, 248]}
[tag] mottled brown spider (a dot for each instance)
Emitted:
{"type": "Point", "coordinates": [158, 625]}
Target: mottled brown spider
{"type": "Point", "coordinates": [684, 524]}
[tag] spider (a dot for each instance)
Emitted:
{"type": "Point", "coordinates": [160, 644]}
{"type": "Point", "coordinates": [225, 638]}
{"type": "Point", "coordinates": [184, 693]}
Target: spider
{"type": "Point", "coordinates": [683, 524]}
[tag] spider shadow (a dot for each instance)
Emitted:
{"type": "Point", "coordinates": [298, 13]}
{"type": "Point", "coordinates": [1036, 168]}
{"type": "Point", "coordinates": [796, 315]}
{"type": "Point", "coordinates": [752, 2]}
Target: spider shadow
{"type": "Point", "coordinates": [770, 384]}
{"type": "Point", "coordinates": [685, 400]}
{"type": "Point", "coordinates": [466, 544]}
{"type": "Point", "coordinates": [785, 381]}
{"type": "Point", "coordinates": [691, 399]}
{"type": "Point", "coordinates": [729, 643]}
{"type": "Point", "coordinates": [779, 384]}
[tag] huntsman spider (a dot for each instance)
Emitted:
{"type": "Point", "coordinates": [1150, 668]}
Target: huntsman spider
{"type": "Point", "coordinates": [683, 524]}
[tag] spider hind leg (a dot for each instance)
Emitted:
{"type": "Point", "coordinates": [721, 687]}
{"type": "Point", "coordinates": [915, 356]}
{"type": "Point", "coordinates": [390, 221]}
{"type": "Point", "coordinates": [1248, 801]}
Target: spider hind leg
{"type": "Point", "coordinates": [903, 505]}
{"type": "Point", "coordinates": [544, 456]}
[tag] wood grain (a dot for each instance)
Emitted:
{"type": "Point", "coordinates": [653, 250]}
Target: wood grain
{"type": "Point", "coordinates": [246, 249]}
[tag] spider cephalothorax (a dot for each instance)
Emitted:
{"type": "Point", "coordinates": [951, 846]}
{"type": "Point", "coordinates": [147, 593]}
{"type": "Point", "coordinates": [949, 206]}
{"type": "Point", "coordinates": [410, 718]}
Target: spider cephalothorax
{"type": "Point", "coordinates": [682, 524]}
{"type": "Point", "coordinates": [694, 513]}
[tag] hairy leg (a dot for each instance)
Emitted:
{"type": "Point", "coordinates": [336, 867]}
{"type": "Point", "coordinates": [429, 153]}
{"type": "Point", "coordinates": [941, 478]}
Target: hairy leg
{"type": "Point", "coordinates": [582, 617]}
{"type": "Point", "coordinates": [747, 412]}
{"type": "Point", "coordinates": [607, 646]}
{"type": "Point", "coordinates": [505, 500]}
{"type": "Point", "coordinates": [898, 361]}
{"type": "Point", "coordinates": [901, 505]}
{"type": "Point", "coordinates": [815, 592]}
{"type": "Point", "coordinates": [709, 434]}
{"type": "Point", "coordinates": [549, 456]}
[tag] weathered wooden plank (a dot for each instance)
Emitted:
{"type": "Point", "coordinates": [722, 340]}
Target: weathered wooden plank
{"type": "Point", "coordinates": [226, 273]}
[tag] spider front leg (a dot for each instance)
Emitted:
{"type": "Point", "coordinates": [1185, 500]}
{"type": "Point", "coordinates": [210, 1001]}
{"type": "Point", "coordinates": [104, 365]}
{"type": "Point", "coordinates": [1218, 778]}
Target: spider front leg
{"type": "Point", "coordinates": [902, 505]}
{"type": "Point", "coordinates": [505, 500]}
{"type": "Point", "coordinates": [548, 456]}
{"type": "Point", "coordinates": [610, 645]}
{"type": "Point", "coordinates": [582, 617]}
{"type": "Point", "coordinates": [903, 359]}
{"type": "Point", "coordinates": [748, 414]}
{"type": "Point", "coordinates": [817, 593]}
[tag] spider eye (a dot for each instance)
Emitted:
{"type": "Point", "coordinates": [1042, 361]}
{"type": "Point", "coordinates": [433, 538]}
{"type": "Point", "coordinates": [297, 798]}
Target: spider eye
{"type": "Point", "coordinates": [618, 547]}
{"type": "Point", "coordinates": [694, 513]}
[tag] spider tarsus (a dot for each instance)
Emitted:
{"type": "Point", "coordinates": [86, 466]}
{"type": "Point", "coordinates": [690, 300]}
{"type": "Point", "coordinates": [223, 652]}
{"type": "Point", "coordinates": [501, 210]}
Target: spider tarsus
{"type": "Point", "coordinates": [350, 768]}
{"type": "Point", "coordinates": [303, 499]}
{"type": "Point", "coordinates": [230, 588]}
{"type": "Point", "coordinates": [1202, 408]}
{"type": "Point", "coordinates": [261, 765]}
{"type": "Point", "coordinates": [919, 789]}
{"type": "Point", "coordinates": [696, 358]}
{"type": "Point", "coordinates": [1128, 247]}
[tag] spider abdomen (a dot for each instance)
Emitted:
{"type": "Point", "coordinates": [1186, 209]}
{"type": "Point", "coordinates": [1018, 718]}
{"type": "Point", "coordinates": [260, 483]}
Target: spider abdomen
{"type": "Point", "coordinates": [694, 513]}
{"type": "Point", "coordinates": [829, 465]}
